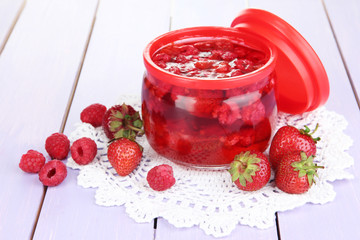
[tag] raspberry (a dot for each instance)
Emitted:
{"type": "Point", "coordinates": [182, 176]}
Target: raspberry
{"type": "Point", "coordinates": [204, 64]}
{"type": "Point", "coordinates": [205, 102]}
{"type": "Point", "coordinates": [174, 70]}
{"type": "Point", "coordinates": [245, 65]}
{"type": "Point", "coordinates": [228, 56]}
{"type": "Point", "coordinates": [216, 54]}
{"type": "Point", "coordinates": [244, 138]}
{"type": "Point", "coordinates": [162, 57]}
{"type": "Point", "coordinates": [93, 114]}
{"type": "Point", "coordinates": [161, 64]}
{"type": "Point", "coordinates": [57, 146]}
{"type": "Point", "coordinates": [181, 59]}
{"type": "Point", "coordinates": [254, 113]}
{"type": "Point", "coordinates": [83, 150]}
{"type": "Point", "coordinates": [189, 50]}
{"type": "Point", "coordinates": [236, 72]}
{"type": "Point", "coordinates": [53, 173]}
{"type": "Point", "coordinates": [32, 161]}
{"type": "Point", "coordinates": [241, 52]}
{"type": "Point", "coordinates": [223, 67]}
{"type": "Point", "coordinates": [227, 113]}
{"type": "Point", "coordinates": [224, 45]}
{"type": "Point", "coordinates": [161, 177]}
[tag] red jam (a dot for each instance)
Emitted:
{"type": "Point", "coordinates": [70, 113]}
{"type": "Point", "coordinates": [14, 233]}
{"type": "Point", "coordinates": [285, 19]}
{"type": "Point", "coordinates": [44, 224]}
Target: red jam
{"type": "Point", "coordinates": [205, 99]}
{"type": "Point", "coordinates": [210, 59]}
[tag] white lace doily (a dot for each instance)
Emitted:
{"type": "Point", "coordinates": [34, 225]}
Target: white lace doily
{"type": "Point", "coordinates": [208, 198]}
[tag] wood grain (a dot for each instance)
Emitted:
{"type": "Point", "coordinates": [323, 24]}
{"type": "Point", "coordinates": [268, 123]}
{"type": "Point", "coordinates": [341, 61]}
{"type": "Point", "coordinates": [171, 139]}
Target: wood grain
{"type": "Point", "coordinates": [10, 11]}
{"type": "Point", "coordinates": [334, 220]}
{"type": "Point", "coordinates": [37, 70]}
{"type": "Point", "coordinates": [345, 22]}
{"type": "Point", "coordinates": [113, 66]}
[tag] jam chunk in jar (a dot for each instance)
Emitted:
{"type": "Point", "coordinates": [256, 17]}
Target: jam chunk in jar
{"type": "Point", "coordinates": [205, 99]}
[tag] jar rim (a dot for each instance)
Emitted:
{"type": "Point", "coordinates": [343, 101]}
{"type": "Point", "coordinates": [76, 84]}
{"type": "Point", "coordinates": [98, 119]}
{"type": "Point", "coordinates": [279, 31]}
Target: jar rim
{"type": "Point", "coordinates": [249, 39]}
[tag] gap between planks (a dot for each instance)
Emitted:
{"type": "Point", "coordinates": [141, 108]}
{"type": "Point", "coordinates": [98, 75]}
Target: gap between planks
{"type": "Point", "coordinates": [17, 16]}
{"type": "Point", "coordinates": [341, 55]}
{"type": "Point", "coordinates": [68, 107]}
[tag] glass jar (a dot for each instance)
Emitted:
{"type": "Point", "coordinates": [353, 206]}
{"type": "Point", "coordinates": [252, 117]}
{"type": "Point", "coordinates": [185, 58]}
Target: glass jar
{"type": "Point", "coordinates": [205, 121]}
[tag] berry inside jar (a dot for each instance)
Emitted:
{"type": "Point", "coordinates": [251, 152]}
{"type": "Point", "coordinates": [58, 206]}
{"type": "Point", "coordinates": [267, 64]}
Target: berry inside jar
{"type": "Point", "coordinates": [209, 58]}
{"type": "Point", "coordinates": [205, 127]}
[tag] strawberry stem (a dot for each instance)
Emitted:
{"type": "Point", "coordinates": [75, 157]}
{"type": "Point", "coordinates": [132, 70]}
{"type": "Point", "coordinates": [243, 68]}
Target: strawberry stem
{"type": "Point", "coordinates": [306, 167]}
{"type": "Point", "coordinates": [307, 130]}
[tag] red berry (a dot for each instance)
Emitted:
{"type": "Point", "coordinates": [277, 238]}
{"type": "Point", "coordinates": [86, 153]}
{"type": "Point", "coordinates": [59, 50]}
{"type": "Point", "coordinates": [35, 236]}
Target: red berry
{"type": "Point", "coordinates": [224, 45]}
{"type": "Point", "coordinates": [204, 64]}
{"type": "Point", "coordinates": [189, 50]}
{"type": "Point", "coordinates": [57, 146]}
{"type": "Point", "coordinates": [223, 67]}
{"type": "Point", "coordinates": [236, 72]}
{"type": "Point", "coordinates": [174, 70]}
{"type": "Point", "coordinates": [161, 178]}
{"type": "Point", "coordinates": [250, 171]}
{"type": "Point", "coordinates": [83, 150]}
{"type": "Point", "coordinates": [93, 114]}
{"type": "Point", "coordinates": [289, 139]}
{"type": "Point", "coordinates": [227, 113]}
{"type": "Point", "coordinates": [245, 65]}
{"type": "Point", "coordinates": [216, 54]}
{"type": "Point", "coordinates": [53, 173]}
{"type": "Point", "coordinates": [241, 52]}
{"type": "Point", "coordinates": [122, 121]}
{"type": "Point", "coordinates": [296, 173]}
{"type": "Point", "coordinates": [228, 56]}
{"type": "Point", "coordinates": [161, 64]}
{"type": "Point", "coordinates": [32, 161]}
{"type": "Point", "coordinates": [162, 57]}
{"type": "Point", "coordinates": [124, 155]}
{"type": "Point", "coordinates": [181, 58]}
{"type": "Point", "coordinates": [205, 102]}
{"type": "Point", "coordinates": [253, 114]}
{"type": "Point", "coordinates": [243, 138]}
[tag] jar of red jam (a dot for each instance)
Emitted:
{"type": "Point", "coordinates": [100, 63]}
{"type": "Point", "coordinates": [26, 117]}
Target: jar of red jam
{"type": "Point", "coordinates": [209, 93]}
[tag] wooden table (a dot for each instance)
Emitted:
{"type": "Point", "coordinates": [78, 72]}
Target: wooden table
{"type": "Point", "coordinates": [59, 56]}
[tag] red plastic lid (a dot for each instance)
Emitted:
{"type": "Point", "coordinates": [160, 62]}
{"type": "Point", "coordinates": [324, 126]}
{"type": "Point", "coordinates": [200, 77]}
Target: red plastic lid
{"type": "Point", "coordinates": [302, 84]}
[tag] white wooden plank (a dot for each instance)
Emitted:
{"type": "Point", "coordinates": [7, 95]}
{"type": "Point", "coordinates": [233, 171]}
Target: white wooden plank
{"type": "Point", "coordinates": [37, 73]}
{"type": "Point", "coordinates": [187, 13]}
{"type": "Point", "coordinates": [345, 20]}
{"type": "Point", "coordinates": [334, 220]}
{"type": "Point", "coordinates": [9, 12]}
{"type": "Point", "coordinates": [113, 66]}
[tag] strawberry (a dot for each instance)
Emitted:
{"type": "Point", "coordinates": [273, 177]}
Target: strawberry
{"type": "Point", "coordinates": [289, 139]}
{"type": "Point", "coordinates": [250, 171]}
{"type": "Point", "coordinates": [124, 155]}
{"type": "Point", "coordinates": [122, 121]}
{"type": "Point", "coordinates": [296, 173]}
